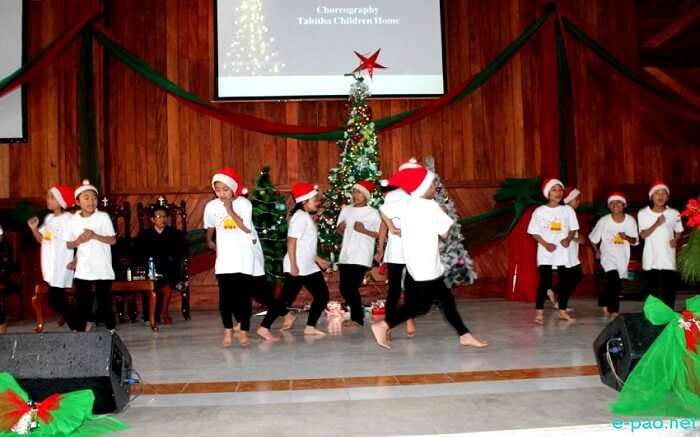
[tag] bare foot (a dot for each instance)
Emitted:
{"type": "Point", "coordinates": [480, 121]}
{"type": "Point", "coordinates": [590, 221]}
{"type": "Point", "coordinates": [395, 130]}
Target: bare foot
{"type": "Point", "coordinates": [3, 328]}
{"type": "Point", "coordinates": [411, 328]}
{"type": "Point", "coordinates": [563, 315]}
{"type": "Point", "coordinates": [351, 324]}
{"type": "Point", "coordinates": [469, 340]}
{"type": "Point", "coordinates": [89, 326]}
{"type": "Point", "coordinates": [379, 330]}
{"type": "Point", "coordinates": [288, 321]}
{"type": "Point", "coordinates": [552, 297]}
{"type": "Point", "coordinates": [312, 330]}
{"type": "Point", "coordinates": [539, 317]}
{"type": "Point", "coordinates": [228, 333]}
{"type": "Point", "coordinates": [266, 334]}
{"type": "Point", "coordinates": [243, 339]}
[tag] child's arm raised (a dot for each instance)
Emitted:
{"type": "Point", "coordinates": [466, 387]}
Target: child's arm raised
{"type": "Point", "coordinates": [228, 203]}
{"type": "Point", "coordinates": [33, 224]}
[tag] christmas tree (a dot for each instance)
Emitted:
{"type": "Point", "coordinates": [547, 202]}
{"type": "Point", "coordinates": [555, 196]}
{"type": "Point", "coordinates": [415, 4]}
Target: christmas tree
{"type": "Point", "coordinates": [358, 160]}
{"type": "Point", "coordinates": [251, 53]}
{"type": "Point", "coordinates": [270, 220]}
{"type": "Point", "coordinates": [458, 264]}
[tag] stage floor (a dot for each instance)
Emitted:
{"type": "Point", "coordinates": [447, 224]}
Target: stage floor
{"type": "Point", "coordinates": [531, 377]}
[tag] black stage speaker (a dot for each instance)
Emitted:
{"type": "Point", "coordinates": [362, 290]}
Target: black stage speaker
{"type": "Point", "coordinates": [62, 362]}
{"type": "Point", "coordinates": [621, 345]}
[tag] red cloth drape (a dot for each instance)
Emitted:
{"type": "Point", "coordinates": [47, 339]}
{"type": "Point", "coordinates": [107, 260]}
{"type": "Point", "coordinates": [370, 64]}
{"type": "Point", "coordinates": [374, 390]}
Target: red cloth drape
{"type": "Point", "coordinates": [522, 276]}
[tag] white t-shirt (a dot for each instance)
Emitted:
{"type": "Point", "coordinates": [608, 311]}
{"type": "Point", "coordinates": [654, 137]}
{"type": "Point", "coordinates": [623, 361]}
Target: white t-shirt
{"type": "Point", "coordinates": [55, 255]}
{"type": "Point", "coordinates": [422, 223]}
{"type": "Point", "coordinates": [303, 228]}
{"type": "Point", "coordinates": [94, 258]}
{"type": "Point", "coordinates": [553, 225]}
{"type": "Point", "coordinates": [658, 253]}
{"type": "Point", "coordinates": [394, 248]}
{"type": "Point", "coordinates": [234, 247]}
{"type": "Point", "coordinates": [258, 255]}
{"type": "Point", "coordinates": [614, 250]}
{"type": "Point", "coordinates": [358, 248]}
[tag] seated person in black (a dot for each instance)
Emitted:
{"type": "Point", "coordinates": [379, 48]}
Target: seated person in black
{"type": "Point", "coordinates": [166, 246]}
{"type": "Point", "coordinates": [9, 283]}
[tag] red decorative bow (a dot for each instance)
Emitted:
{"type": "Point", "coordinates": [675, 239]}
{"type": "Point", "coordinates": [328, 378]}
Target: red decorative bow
{"type": "Point", "coordinates": [692, 211]}
{"type": "Point", "coordinates": [691, 328]}
{"type": "Point", "coordinates": [13, 407]}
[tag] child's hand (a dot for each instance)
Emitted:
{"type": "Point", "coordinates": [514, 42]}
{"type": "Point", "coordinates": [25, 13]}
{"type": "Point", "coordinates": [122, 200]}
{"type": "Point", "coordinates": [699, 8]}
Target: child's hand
{"type": "Point", "coordinates": [379, 256]}
{"type": "Point", "coordinates": [550, 247]}
{"type": "Point", "coordinates": [396, 231]}
{"type": "Point", "coordinates": [294, 271]}
{"type": "Point", "coordinates": [211, 245]}
{"type": "Point", "coordinates": [33, 223]}
{"type": "Point", "coordinates": [322, 263]}
{"type": "Point", "coordinates": [341, 227]}
{"type": "Point", "coordinates": [661, 220]}
{"type": "Point", "coordinates": [674, 243]}
{"type": "Point", "coordinates": [359, 227]}
{"type": "Point", "coordinates": [565, 243]}
{"type": "Point", "coordinates": [71, 265]}
{"type": "Point", "coordinates": [89, 234]}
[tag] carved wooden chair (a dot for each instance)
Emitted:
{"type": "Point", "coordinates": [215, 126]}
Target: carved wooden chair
{"type": "Point", "coordinates": [178, 221]}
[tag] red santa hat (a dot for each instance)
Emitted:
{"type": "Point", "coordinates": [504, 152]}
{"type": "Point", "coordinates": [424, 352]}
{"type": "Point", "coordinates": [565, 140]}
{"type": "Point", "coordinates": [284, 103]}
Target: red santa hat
{"type": "Point", "coordinates": [658, 184]}
{"type": "Point", "coordinates": [83, 187]}
{"type": "Point", "coordinates": [570, 193]}
{"type": "Point", "coordinates": [617, 196]}
{"type": "Point", "coordinates": [411, 163]}
{"type": "Point", "coordinates": [230, 178]}
{"type": "Point", "coordinates": [302, 191]}
{"type": "Point", "coordinates": [366, 187]}
{"type": "Point", "coordinates": [414, 181]}
{"type": "Point", "coordinates": [548, 184]}
{"type": "Point", "coordinates": [63, 195]}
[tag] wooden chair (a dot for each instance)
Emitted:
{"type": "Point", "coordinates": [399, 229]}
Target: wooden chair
{"type": "Point", "coordinates": [178, 214]}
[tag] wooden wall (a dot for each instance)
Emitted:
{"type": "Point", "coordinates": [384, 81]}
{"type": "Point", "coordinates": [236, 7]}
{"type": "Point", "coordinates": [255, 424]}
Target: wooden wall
{"type": "Point", "coordinates": [151, 145]}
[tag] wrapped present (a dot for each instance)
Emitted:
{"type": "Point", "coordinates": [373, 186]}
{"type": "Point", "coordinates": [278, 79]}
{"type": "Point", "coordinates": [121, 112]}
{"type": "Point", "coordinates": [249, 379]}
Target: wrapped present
{"type": "Point", "coordinates": [378, 307]}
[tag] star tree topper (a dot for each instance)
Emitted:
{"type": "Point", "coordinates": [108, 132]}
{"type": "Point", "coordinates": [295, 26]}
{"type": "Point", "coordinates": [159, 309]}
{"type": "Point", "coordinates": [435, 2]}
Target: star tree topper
{"type": "Point", "coordinates": [368, 63]}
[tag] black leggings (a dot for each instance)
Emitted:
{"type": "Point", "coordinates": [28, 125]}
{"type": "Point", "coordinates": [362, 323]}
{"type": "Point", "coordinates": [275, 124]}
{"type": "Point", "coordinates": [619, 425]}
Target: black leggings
{"type": "Point", "coordinates": [260, 290]}
{"type": "Point", "coordinates": [233, 289]}
{"type": "Point", "coordinates": [84, 299]}
{"type": "Point", "coordinates": [419, 298]}
{"type": "Point", "coordinates": [610, 296]}
{"type": "Point", "coordinates": [351, 277]}
{"type": "Point", "coordinates": [568, 279]}
{"type": "Point", "coordinates": [316, 285]}
{"type": "Point", "coordinates": [59, 303]}
{"type": "Point", "coordinates": [394, 276]}
{"type": "Point", "coordinates": [662, 284]}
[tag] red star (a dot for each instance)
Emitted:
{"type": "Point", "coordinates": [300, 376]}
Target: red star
{"type": "Point", "coordinates": [368, 63]}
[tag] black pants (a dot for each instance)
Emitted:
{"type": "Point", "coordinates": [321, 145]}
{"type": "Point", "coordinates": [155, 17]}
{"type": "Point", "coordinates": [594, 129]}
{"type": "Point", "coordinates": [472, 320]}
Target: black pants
{"type": "Point", "coordinates": [84, 299]}
{"type": "Point", "coordinates": [316, 285]}
{"type": "Point", "coordinates": [662, 284]}
{"type": "Point", "coordinates": [419, 299]}
{"type": "Point", "coordinates": [351, 277]}
{"type": "Point", "coordinates": [575, 277]}
{"type": "Point", "coordinates": [263, 293]}
{"type": "Point", "coordinates": [233, 289]}
{"type": "Point", "coordinates": [568, 279]}
{"type": "Point", "coordinates": [610, 297]}
{"type": "Point", "coordinates": [59, 303]}
{"type": "Point", "coordinates": [394, 276]}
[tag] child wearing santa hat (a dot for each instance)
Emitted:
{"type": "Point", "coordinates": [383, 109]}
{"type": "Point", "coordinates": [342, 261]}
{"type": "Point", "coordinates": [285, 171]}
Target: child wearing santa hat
{"type": "Point", "coordinates": [359, 225]}
{"type": "Point", "coordinates": [615, 233]}
{"type": "Point", "coordinates": [302, 265]}
{"type": "Point", "coordinates": [554, 227]}
{"type": "Point", "coordinates": [56, 257]}
{"type": "Point", "coordinates": [91, 232]}
{"type": "Point", "coordinates": [572, 198]}
{"type": "Point", "coordinates": [660, 227]}
{"type": "Point", "coordinates": [392, 255]}
{"type": "Point", "coordinates": [230, 218]}
{"type": "Point", "coordinates": [423, 223]}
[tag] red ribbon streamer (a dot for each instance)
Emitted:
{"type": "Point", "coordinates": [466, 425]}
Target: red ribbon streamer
{"type": "Point", "coordinates": [692, 334]}
{"type": "Point", "coordinates": [15, 407]}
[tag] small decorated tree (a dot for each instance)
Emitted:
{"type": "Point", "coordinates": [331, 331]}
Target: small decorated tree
{"type": "Point", "coordinates": [270, 220]}
{"type": "Point", "coordinates": [358, 160]}
{"type": "Point", "coordinates": [458, 264]}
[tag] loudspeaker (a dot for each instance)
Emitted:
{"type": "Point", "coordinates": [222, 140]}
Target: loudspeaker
{"type": "Point", "coordinates": [621, 345]}
{"type": "Point", "coordinates": [62, 362]}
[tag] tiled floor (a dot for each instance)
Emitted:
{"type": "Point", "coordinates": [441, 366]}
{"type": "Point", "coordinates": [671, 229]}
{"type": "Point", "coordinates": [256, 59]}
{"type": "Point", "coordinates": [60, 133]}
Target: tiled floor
{"type": "Point", "coordinates": [531, 377]}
